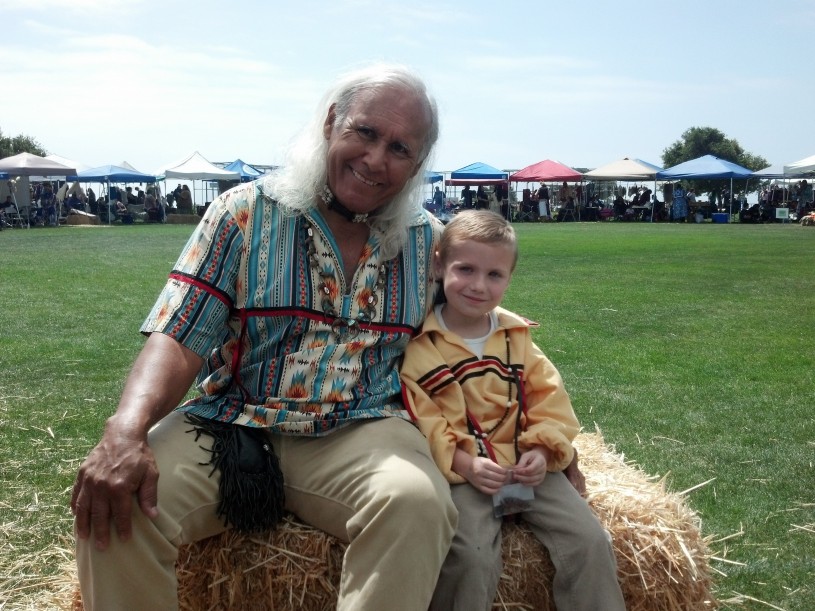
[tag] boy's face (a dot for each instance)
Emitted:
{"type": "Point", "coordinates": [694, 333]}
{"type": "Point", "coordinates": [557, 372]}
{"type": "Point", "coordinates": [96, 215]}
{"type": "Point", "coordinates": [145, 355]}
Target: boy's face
{"type": "Point", "coordinates": [475, 277]}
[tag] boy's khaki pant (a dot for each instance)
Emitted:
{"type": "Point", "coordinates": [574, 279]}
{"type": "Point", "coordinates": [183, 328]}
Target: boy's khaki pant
{"type": "Point", "coordinates": [580, 549]}
{"type": "Point", "coordinates": [373, 485]}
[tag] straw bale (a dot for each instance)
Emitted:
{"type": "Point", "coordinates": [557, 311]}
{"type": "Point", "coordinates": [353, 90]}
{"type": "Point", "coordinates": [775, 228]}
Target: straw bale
{"type": "Point", "coordinates": [182, 219]}
{"type": "Point", "coordinates": [662, 557]}
{"type": "Point", "coordinates": [77, 217]}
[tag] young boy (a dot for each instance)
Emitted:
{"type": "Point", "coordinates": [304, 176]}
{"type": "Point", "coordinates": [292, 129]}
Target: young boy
{"type": "Point", "coordinates": [495, 411]}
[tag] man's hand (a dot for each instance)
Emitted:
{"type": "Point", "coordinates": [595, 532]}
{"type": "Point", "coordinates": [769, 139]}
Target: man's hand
{"type": "Point", "coordinates": [115, 470]}
{"type": "Point", "coordinates": [575, 476]}
{"type": "Point", "coordinates": [122, 465]}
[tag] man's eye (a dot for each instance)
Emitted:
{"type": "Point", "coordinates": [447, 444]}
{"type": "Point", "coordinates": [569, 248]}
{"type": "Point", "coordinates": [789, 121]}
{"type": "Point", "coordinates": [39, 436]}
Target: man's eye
{"type": "Point", "coordinates": [366, 132]}
{"type": "Point", "coordinates": [400, 149]}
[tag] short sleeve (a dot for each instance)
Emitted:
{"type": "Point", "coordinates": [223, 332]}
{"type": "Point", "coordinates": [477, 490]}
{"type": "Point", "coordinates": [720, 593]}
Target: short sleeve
{"type": "Point", "coordinates": [195, 304]}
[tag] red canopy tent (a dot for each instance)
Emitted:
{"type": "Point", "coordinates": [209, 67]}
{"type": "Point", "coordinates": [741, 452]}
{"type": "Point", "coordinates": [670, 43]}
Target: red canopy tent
{"type": "Point", "coordinates": [546, 171]}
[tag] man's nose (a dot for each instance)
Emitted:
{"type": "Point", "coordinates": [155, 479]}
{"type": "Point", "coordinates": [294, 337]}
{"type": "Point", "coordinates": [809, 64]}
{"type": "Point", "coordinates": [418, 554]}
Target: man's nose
{"type": "Point", "coordinates": [376, 154]}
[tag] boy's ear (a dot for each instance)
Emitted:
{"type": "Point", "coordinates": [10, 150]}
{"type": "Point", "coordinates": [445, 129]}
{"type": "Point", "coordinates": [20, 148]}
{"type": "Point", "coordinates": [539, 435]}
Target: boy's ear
{"type": "Point", "coordinates": [438, 268]}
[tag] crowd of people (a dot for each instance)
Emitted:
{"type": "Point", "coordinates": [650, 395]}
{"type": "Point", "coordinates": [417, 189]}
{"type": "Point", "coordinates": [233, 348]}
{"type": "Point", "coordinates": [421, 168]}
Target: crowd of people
{"type": "Point", "coordinates": [49, 207]}
{"type": "Point", "coordinates": [637, 202]}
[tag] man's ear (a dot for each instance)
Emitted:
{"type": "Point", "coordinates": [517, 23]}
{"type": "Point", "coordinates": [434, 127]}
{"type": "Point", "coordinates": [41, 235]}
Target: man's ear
{"type": "Point", "coordinates": [328, 126]}
{"type": "Point", "coordinates": [417, 166]}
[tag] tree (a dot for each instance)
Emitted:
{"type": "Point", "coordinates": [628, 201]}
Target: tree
{"type": "Point", "coordinates": [699, 141]}
{"type": "Point", "coordinates": [19, 144]}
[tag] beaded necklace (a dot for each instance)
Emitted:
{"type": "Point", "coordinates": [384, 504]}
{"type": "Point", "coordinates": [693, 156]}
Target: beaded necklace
{"type": "Point", "coordinates": [345, 327]}
{"type": "Point", "coordinates": [485, 434]}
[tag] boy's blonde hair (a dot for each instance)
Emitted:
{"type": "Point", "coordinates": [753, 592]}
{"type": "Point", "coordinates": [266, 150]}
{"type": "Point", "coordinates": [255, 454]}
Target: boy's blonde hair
{"type": "Point", "coordinates": [482, 226]}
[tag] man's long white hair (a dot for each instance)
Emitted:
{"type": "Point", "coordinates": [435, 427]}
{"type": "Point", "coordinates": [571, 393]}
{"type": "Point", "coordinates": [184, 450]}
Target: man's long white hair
{"type": "Point", "coordinates": [304, 174]}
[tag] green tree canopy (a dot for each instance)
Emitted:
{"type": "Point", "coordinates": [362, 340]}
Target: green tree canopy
{"type": "Point", "coordinates": [699, 141]}
{"type": "Point", "coordinates": [19, 144]}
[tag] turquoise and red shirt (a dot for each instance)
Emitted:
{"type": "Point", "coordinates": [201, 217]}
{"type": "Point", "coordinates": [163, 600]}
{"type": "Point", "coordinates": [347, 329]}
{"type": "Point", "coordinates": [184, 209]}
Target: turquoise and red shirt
{"type": "Point", "coordinates": [260, 295]}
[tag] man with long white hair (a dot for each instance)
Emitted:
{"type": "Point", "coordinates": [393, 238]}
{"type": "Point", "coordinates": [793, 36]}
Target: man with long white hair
{"type": "Point", "coordinates": [292, 304]}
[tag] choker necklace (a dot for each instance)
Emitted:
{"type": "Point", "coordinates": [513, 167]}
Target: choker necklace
{"type": "Point", "coordinates": [332, 203]}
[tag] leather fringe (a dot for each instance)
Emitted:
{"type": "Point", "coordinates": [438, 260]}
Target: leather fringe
{"type": "Point", "coordinates": [251, 494]}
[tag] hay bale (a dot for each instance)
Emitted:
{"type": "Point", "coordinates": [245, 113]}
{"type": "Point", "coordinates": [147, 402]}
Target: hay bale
{"type": "Point", "coordinates": [182, 219]}
{"type": "Point", "coordinates": [77, 217]}
{"type": "Point", "coordinates": [662, 558]}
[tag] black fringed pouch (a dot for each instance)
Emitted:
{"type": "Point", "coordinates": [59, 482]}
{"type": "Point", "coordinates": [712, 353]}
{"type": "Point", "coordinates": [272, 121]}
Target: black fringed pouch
{"type": "Point", "coordinates": [251, 494]}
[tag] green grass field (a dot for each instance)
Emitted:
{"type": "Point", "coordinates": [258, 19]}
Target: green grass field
{"type": "Point", "coordinates": [689, 346]}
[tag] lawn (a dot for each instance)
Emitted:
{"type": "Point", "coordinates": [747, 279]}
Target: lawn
{"type": "Point", "coordinates": [689, 346]}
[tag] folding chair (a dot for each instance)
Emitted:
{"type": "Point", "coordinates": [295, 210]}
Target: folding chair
{"type": "Point", "coordinates": [566, 212]}
{"type": "Point", "coordinates": [528, 210]}
{"type": "Point", "coordinates": [137, 211]}
{"type": "Point", "coordinates": [17, 217]}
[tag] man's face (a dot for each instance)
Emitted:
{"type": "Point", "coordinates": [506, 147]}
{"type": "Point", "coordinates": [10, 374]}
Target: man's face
{"type": "Point", "coordinates": [376, 149]}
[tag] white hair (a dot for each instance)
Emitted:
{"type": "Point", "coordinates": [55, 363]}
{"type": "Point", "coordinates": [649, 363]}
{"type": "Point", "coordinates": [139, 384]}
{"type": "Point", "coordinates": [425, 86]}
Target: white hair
{"type": "Point", "coordinates": [297, 184]}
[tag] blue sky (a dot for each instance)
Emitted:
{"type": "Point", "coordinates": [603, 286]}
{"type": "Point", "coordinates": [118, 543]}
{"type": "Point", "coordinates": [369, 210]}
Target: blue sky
{"type": "Point", "coordinates": [149, 82]}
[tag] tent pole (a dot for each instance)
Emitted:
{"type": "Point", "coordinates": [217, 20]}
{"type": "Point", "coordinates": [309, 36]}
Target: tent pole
{"type": "Point", "coordinates": [12, 188]}
{"type": "Point", "coordinates": [731, 197]}
{"type": "Point", "coordinates": [653, 201]}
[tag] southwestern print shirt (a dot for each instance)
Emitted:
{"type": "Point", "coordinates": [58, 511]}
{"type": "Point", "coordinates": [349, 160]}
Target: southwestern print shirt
{"type": "Point", "coordinates": [260, 296]}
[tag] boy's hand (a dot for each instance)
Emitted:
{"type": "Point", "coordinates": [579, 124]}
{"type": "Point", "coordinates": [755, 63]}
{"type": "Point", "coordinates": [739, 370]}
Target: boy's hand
{"type": "Point", "coordinates": [485, 475]}
{"type": "Point", "coordinates": [531, 468]}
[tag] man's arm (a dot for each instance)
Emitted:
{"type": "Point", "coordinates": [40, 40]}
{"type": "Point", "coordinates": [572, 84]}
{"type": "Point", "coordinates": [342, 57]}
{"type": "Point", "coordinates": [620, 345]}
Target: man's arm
{"type": "Point", "coordinates": [122, 464]}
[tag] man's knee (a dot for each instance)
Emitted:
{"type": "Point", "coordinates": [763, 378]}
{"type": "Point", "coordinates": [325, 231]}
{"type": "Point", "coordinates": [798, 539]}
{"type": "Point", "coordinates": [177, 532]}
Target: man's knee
{"type": "Point", "coordinates": [423, 498]}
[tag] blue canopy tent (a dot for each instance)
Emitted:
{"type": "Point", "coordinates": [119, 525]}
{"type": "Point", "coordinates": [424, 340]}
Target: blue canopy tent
{"type": "Point", "coordinates": [246, 171]}
{"type": "Point", "coordinates": [707, 166]}
{"type": "Point", "coordinates": [477, 174]}
{"type": "Point", "coordinates": [112, 174]}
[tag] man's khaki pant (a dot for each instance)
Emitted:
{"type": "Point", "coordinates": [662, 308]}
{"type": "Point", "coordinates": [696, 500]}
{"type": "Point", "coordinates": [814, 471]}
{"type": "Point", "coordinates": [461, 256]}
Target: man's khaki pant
{"type": "Point", "coordinates": [373, 485]}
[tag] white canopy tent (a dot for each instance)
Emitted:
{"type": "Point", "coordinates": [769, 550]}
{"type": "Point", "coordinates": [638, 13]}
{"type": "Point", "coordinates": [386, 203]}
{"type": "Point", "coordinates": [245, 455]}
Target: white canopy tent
{"type": "Point", "coordinates": [801, 167]}
{"type": "Point", "coordinates": [28, 165]}
{"type": "Point", "coordinates": [625, 169]}
{"type": "Point", "coordinates": [77, 165]}
{"type": "Point", "coordinates": [196, 167]}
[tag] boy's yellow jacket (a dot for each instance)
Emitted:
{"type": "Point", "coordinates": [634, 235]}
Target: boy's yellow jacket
{"type": "Point", "coordinates": [442, 380]}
